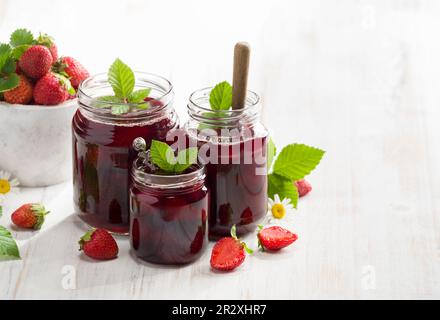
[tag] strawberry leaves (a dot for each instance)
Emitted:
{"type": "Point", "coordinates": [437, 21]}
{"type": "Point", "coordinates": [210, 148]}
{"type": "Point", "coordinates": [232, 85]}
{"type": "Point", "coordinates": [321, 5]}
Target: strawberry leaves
{"type": "Point", "coordinates": [8, 246]}
{"type": "Point", "coordinates": [293, 163]}
{"type": "Point", "coordinates": [8, 78]}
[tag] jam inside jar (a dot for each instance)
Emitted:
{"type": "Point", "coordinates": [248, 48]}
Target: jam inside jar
{"type": "Point", "coordinates": [102, 147]}
{"type": "Point", "coordinates": [168, 214]}
{"type": "Point", "coordinates": [233, 146]}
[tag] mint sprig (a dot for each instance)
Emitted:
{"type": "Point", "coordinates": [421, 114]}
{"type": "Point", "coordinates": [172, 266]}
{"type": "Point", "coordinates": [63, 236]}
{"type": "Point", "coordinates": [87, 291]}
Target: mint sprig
{"type": "Point", "coordinates": [8, 246]}
{"type": "Point", "coordinates": [162, 155]}
{"type": "Point", "coordinates": [220, 97]}
{"type": "Point", "coordinates": [122, 81]}
{"type": "Point", "coordinates": [293, 163]}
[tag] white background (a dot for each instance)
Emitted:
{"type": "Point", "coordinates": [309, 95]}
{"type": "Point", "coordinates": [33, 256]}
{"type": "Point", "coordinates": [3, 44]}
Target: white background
{"type": "Point", "coordinates": [356, 78]}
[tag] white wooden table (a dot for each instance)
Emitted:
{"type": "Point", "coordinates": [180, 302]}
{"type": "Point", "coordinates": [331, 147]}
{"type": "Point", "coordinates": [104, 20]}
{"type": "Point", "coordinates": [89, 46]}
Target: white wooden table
{"type": "Point", "coordinates": [359, 80]}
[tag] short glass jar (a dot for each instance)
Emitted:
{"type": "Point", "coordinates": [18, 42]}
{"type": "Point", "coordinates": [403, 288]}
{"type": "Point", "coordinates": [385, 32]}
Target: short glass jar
{"type": "Point", "coordinates": [233, 146]}
{"type": "Point", "coordinates": [168, 214]}
{"type": "Point", "coordinates": [102, 147]}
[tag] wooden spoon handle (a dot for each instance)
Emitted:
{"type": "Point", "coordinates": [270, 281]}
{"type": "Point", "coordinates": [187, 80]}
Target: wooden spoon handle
{"type": "Point", "coordinates": [241, 70]}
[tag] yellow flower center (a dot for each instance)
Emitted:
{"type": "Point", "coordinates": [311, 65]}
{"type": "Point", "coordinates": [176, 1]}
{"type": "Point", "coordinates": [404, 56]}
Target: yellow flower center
{"type": "Point", "coordinates": [278, 211]}
{"type": "Point", "coordinates": [5, 187]}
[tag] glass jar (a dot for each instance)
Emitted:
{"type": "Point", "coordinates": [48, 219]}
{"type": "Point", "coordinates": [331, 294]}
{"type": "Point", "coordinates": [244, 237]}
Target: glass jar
{"type": "Point", "coordinates": [102, 148]}
{"type": "Point", "coordinates": [168, 215]}
{"type": "Point", "coordinates": [233, 146]}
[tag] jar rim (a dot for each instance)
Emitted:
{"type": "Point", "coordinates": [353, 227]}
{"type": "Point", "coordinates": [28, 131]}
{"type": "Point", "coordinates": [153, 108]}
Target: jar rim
{"type": "Point", "coordinates": [82, 85]}
{"type": "Point", "coordinates": [252, 100]}
{"type": "Point", "coordinates": [85, 99]}
{"type": "Point", "coordinates": [161, 181]}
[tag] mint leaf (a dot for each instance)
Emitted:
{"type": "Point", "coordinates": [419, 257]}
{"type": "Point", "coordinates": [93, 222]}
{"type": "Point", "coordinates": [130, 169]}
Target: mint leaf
{"type": "Point", "coordinates": [185, 159]}
{"type": "Point", "coordinates": [120, 109]}
{"type": "Point", "coordinates": [162, 155]}
{"type": "Point", "coordinates": [121, 78]}
{"type": "Point", "coordinates": [8, 246]}
{"type": "Point", "coordinates": [21, 37]}
{"type": "Point", "coordinates": [9, 82]}
{"type": "Point", "coordinates": [271, 152]}
{"type": "Point", "coordinates": [296, 161]}
{"type": "Point", "coordinates": [220, 97]}
{"type": "Point", "coordinates": [111, 99]}
{"type": "Point", "coordinates": [282, 186]}
{"type": "Point", "coordinates": [138, 96]}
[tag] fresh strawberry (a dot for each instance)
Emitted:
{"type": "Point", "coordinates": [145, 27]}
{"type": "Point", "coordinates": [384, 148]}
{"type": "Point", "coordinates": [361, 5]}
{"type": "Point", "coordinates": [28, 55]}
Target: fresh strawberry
{"type": "Point", "coordinates": [47, 41]}
{"type": "Point", "coordinates": [22, 94]}
{"type": "Point", "coordinates": [52, 89]}
{"type": "Point", "coordinates": [36, 61]}
{"type": "Point", "coordinates": [30, 215]}
{"type": "Point", "coordinates": [303, 186]}
{"type": "Point", "coordinates": [228, 253]}
{"type": "Point", "coordinates": [275, 238]}
{"type": "Point", "coordinates": [72, 69]}
{"type": "Point", "coordinates": [99, 244]}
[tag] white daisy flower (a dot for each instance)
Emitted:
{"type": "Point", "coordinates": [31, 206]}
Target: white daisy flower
{"type": "Point", "coordinates": [8, 184]}
{"type": "Point", "coordinates": [278, 209]}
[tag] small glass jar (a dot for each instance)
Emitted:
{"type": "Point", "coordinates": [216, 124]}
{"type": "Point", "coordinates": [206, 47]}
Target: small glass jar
{"type": "Point", "coordinates": [102, 147]}
{"type": "Point", "coordinates": [233, 146]}
{"type": "Point", "coordinates": [168, 215]}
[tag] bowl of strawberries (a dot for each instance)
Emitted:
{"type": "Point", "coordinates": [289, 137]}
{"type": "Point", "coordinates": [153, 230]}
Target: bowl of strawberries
{"type": "Point", "coordinates": [37, 103]}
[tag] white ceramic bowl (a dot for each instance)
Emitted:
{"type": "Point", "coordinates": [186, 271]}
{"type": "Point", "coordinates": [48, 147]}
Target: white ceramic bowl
{"type": "Point", "coordinates": [36, 142]}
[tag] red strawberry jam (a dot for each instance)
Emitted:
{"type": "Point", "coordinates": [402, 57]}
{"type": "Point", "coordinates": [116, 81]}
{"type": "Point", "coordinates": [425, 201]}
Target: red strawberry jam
{"type": "Point", "coordinates": [168, 214]}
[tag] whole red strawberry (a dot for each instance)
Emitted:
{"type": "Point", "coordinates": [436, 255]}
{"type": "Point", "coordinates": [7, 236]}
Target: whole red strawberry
{"type": "Point", "coordinates": [275, 238]}
{"type": "Point", "coordinates": [36, 61]}
{"type": "Point", "coordinates": [228, 253]}
{"type": "Point", "coordinates": [73, 69]}
{"type": "Point", "coordinates": [21, 94]}
{"type": "Point", "coordinates": [52, 89]}
{"type": "Point", "coordinates": [47, 41]}
{"type": "Point", "coordinates": [30, 215]}
{"type": "Point", "coordinates": [303, 186]}
{"type": "Point", "coordinates": [99, 244]}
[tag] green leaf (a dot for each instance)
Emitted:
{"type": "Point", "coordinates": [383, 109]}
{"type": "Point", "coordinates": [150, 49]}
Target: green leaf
{"type": "Point", "coordinates": [8, 66]}
{"type": "Point", "coordinates": [282, 186]}
{"type": "Point", "coordinates": [185, 158]}
{"type": "Point", "coordinates": [121, 78]}
{"type": "Point", "coordinates": [66, 83]}
{"type": "Point", "coordinates": [17, 52]}
{"type": "Point", "coordinates": [120, 109]}
{"type": "Point", "coordinates": [220, 97]}
{"type": "Point", "coordinates": [213, 115]}
{"type": "Point", "coordinates": [162, 155]}
{"type": "Point", "coordinates": [1, 211]}
{"type": "Point", "coordinates": [9, 82]}
{"type": "Point", "coordinates": [45, 40]}
{"type": "Point", "coordinates": [138, 96]}
{"type": "Point", "coordinates": [8, 246]}
{"type": "Point", "coordinates": [296, 161]}
{"type": "Point", "coordinates": [111, 99]}
{"type": "Point", "coordinates": [5, 54]}
{"type": "Point", "coordinates": [21, 37]}
{"type": "Point", "coordinates": [271, 152]}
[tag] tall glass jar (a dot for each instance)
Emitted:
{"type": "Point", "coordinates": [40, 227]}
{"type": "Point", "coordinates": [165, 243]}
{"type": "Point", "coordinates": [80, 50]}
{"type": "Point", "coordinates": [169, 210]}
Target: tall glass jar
{"type": "Point", "coordinates": [233, 146]}
{"type": "Point", "coordinates": [168, 214]}
{"type": "Point", "coordinates": [102, 147]}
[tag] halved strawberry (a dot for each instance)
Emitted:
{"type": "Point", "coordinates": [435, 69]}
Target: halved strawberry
{"type": "Point", "coordinates": [275, 238]}
{"type": "Point", "coordinates": [228, 253]}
